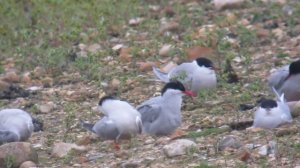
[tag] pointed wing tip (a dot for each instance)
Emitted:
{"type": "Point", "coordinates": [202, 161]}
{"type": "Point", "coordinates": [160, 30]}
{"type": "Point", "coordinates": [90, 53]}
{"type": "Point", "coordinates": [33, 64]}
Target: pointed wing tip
{"type": "Point", "coordinates": [86, 126]}
{"type": "Point", "coordinates": [278, 96]}
{"type": "Point", "coordinates": [139, 124]}
{"type": "Point", "coordinates": [81, 122]}
{"type": "Point", "coordinates": [162, 76]}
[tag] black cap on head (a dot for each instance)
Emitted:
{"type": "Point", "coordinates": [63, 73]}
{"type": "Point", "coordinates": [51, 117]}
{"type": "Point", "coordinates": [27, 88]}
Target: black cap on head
{"type": "Point", "coordinates": [105, 98]}
{"type": "Point", "coordinates": [204, 62]}
{"type": "Point", "coordinates": [268, 103]}
{"type": "Point", "coordinates": [173, 85]}
{"type": "Point", "coordinates": [294, 68]}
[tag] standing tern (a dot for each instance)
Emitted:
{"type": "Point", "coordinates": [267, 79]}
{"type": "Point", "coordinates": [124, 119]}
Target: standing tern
{"type": "Point", "coordinates": [196, 75]}
{"type": "Point", "coordinates": [287, 80]}
{"type": "Point", "coordinates": [271, 113]}
{"type": "Point", "coordinates": [17, 125]}
{"type": "Point", "coordinates": [161, 115]}
{"type": "Point", "coordinates": [121, 120]}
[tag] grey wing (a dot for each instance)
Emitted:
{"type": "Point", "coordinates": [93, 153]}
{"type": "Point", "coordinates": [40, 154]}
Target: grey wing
{"type": "Point", "coordinates": [277, 78]}
{"type": "Point", "coordinates": [106, 129]}
{"type": "Point", "coordinates": [17, 121]}
{"type": "Point", "coordinates": [182, 72]}
{"type": "Point", "coordinates": [149, 114]}
{"type": "Point", "coordinates": [8, 136]}
{"type": "Point", "coordinates": [161, 75]}
{"type": "Point", "coordinates": [151, 101]}
{"type": "Point", "coordinates": [286, 116]}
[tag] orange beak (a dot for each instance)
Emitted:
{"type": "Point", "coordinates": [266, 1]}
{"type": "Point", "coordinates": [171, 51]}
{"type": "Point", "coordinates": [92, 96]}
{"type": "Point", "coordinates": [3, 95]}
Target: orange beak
{"type": "Point", "coordinates": [190, 93]}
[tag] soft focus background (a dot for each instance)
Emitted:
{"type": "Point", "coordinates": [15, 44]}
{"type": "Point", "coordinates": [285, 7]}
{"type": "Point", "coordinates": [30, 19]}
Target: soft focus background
{"type": "Point", "coordinates": [59, 56]}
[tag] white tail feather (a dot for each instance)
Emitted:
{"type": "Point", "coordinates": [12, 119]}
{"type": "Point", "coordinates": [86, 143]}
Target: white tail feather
{"type": "Point", "coordinates": [139, 124]}
{"type": "Point", "coordinates": [279, 97]}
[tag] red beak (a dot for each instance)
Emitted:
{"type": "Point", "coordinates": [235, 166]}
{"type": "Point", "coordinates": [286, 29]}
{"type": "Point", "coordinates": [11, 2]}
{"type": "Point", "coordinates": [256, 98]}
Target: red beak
{"type": "Point", "coordinates": [190, 93]}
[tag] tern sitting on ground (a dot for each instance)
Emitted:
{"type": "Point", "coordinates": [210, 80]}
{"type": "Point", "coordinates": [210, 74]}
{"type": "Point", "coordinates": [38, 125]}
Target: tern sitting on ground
{"type": "Point", "coordinates": [17, 125]}
{"type": "Point", "coordinates": [196, 75]}
{"type": "Point", "coordinates": [287, 80]}
{"type": "Point", "coordinates": [161, 115]}
{"type": "Point", "coordinates": [121, 120]}
{"type": "Point", "coordinates": [272, 114]}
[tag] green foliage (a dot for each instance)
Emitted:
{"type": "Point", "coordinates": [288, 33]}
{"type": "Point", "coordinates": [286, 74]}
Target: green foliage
{"type": "Point", "coordinates": [222, 44]}
{"type": "Point", "coordinates": [241, 165]}
{"type": "Point", "coordinates": [180, 76]}
{"type": "Point", "coordinates": [296, 146]}
{"type": "Point", "coordinates": [282, 55]}
{"type": "Point", "coordinates": [34, 109]}
{"type": "Point", "coordinates": [246, 36]}
{"type": "Point", "coordinates": [191, 150]}
{"type": "Point", "coordinates": [206, 165]}
{"type": "Point", "coordinates": [9, 161]}
{"type": "Point", "coordinates": [41, 32]}
{"type": "Point", "coordinates": [90, 67]}
{"type": "Point", "coordinates": [206, 132]}
{"type": "Point", "coordinates": [70, 109]}
{"type": "Point", "coordinates": [1, 69]}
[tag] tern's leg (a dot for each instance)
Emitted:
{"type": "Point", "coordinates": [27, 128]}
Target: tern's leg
{"type": "Point", "coordinates": [178, 133]}
{"type": "Point", "coordinates": [116, 143]}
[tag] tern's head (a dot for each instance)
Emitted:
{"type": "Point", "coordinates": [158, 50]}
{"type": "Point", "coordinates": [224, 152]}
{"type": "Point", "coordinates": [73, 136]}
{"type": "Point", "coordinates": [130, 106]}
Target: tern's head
{"type": "Point", "coordinates": [201, 61]}
{"type": "Point", "coordinates": [267, 106]}
{"type": "Point", "coordinates": [294, 68]}
{"type": "Point", "coordinates": [105, 99]}
{"type": "Point", "coordinates": [175, 87]}
{"type": "Point", "coordinates": [106, 103]}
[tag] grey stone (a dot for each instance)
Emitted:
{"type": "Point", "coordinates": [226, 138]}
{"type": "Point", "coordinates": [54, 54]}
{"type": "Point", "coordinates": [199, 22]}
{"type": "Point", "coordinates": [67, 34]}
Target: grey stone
{"type": "Point", "coordinates": [16, 153]}
{"type": "Point", "coordinates": [178, 147]}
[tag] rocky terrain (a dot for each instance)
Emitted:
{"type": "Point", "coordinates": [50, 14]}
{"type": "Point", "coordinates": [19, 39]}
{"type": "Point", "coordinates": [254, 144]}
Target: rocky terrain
{"type": "Point", "coordinates": [59, 57]}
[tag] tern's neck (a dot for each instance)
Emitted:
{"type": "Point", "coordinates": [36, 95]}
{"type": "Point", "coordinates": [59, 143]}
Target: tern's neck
{"type": "Point", "coordinates": [172, 100]}
{"type": "Point", "coordinates": [195, 63]}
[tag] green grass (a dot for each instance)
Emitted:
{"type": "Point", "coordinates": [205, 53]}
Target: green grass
{"type": "Point", "coordinates": [44, 33]}
{"type": "Point", "coordinates": [206, 132]}
{"type": "Point", "coordinates": [9, 161]}
{"type": "Point", "coordinates": [206, 165]}
{"type": "Point", "coordinates": [70, 109]}
{"type": "Point", "coordinates": [296, 147]}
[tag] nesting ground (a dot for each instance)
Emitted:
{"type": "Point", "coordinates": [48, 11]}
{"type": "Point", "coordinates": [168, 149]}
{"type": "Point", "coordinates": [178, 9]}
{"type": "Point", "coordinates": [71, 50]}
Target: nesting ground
{"type": "Point", "coordinates": [78, 51]}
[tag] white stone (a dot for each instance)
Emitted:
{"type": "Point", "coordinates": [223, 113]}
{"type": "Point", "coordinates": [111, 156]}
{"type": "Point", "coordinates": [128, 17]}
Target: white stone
{"type": "Point", "coordinates": [165, 50]}
{"type": "Point", "coordinates": [61, 149]}
{"type": "Point", "coordinates": [94, 48]}
{"type": "Point", "coordinates": [117, 47]}
{"type": "Point", "coordinates": [229, 142]}
{"type": "Point", "coordinates": [263, 150]}
{"type": "Point", "coordinates": [178, 147]}
{"type": "Point", "coordinates": [221, 4]}
{"type": "Point", "coordinates": [20, 151]}
{"type": "Point", "coordinates": [135, 21]}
